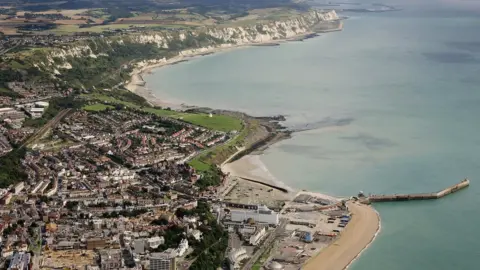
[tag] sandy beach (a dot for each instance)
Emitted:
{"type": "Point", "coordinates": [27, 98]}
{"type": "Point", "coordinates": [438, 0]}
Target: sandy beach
{"type": "Point", "coordinates": [252, 167]}
{"type": "Point", "coordinates": [359, 233]}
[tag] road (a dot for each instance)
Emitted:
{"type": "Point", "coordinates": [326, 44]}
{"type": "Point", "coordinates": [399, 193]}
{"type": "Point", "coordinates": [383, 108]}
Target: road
{"type": "Point", "coordinates": [54, 121]}
{"type": "Point", "coordinates": [280, 229]}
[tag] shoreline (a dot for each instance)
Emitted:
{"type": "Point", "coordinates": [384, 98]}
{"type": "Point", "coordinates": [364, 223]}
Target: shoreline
{"type": "Point", "coordinates": [353, 246]}
{"type": "Point", "coordinates": [357, 237]}
{"type": "Point", "coordinates": [137, 84]}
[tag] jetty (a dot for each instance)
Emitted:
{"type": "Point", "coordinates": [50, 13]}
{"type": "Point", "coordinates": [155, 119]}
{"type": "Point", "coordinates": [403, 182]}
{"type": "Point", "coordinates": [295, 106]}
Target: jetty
{"type": "Point", "coordinates": [419, 196]}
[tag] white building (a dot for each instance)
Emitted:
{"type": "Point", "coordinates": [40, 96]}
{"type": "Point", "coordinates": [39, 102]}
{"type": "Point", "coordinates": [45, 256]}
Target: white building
{"type": "Point", "coordinates": [19, 187]}
{"type": "Point", "coordinates": [255, 238]}
{"type": "Point", "coordinates": [262, 215]}
{"type": "Point", "coordinates": [41, 104]}
{"type": "Point", "coordinates": [182, 248]}
{"type": "Point", "coordinates": [196, 234]}
{"type": "Point", "coordinates": [236, 256]}
{"type": "Point", "coordinates": [36, 112]}
{"type": "Point", "coordinates": [155, 241]}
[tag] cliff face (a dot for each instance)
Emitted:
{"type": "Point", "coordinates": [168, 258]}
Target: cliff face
{"type": "Point", "coordinates": [182, 42]}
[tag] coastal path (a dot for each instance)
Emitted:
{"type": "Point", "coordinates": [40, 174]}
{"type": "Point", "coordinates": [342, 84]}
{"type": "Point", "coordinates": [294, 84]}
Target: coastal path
{"type": "Point", "coordinates": [358, 234]}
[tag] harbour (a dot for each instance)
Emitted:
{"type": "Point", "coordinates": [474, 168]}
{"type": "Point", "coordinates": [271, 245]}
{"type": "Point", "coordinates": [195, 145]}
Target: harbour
{"type": "Point", "coordinates": [418, 196]}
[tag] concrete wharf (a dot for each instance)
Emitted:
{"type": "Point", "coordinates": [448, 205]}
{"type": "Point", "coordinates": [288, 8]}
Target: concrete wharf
{"type": "Point", "coordinates": [419, 196]}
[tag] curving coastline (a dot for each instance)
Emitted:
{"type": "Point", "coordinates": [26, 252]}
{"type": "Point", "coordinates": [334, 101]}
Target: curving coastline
{"type": "Point", "coordinates": [357, 236]}
{"type": "Point", "coordinates": [365, 224]}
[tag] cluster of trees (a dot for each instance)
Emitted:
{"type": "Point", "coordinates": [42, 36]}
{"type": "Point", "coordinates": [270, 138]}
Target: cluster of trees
{"type": "Point", "coordinates": [12, 171]}
{"type": "Point", "coordinates": [210, 251]}
{"type": "Point", "coordinates": [117, 13]}
{"type": "Point", "coordinates": [106, 72]}
{"type": "Point", "coordinates": [50, 16]}
{"type": "Point", "coordinates": [172, 237]}
{"type": "Point", "coordinates": [9, 75]}
{"type": "Point", "coordinates": [125, 213]}
{"type": "Point", "coordinates": [37, 27]}
{"type": "Point", "coordinates": [210, 178]}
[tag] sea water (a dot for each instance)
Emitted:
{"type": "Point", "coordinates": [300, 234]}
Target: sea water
{"type": "Point", "coordinates": [395, 98]}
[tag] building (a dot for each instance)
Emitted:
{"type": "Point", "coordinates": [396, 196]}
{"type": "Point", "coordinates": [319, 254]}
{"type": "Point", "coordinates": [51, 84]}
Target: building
{"type": "Point", "coordinates": [95, 243]}
{"type": "Point", "coordinates": [236, 256]}
{"type": "Point", "coordinates": [110, 259]}
{"type": "Point", "coordinates": [139, 246]}
{"type": "Point", "coordinates": [20, 261]}
{"type": "Point", "coordinates": [261, 215]}
{"type": "Point", "coordinates": [257, 236]}
{"type": "Point", "coordinates": [164, 260]}
{"type": "Point", "coordinates": [197, 234]}
{"type": "Point", "coordinates": [6, 199]}
{"type": "Point", "coordinates": [19, 187]}
{"type": "Point", "coordinates": [308, 237]}
{"type": "Point", "coordinates": [41, 104]}
{"type": "Point", "coordinates": [155, 241]}
{"type": "Point", "coordinates": [36, 112]}
{"type": "Point", "coordinates": [182, 247]}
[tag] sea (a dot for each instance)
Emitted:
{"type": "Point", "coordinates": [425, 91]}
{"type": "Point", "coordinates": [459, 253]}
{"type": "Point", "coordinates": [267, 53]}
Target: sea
{"type": "Point", "coordinates": [394, 103]}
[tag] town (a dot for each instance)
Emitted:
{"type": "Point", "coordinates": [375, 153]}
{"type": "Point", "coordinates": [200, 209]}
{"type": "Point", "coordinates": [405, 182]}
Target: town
{"type": "Point", "coordinates": [94, 176]}
{"type": "Point", "coordinates": [113, 189]}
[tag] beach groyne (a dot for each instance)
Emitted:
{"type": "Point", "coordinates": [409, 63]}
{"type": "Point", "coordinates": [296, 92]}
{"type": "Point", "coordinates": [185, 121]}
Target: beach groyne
{"type": "Point", "coordinates": [418, 196]}
{"type": "Point", "coordinates": [265, 184]}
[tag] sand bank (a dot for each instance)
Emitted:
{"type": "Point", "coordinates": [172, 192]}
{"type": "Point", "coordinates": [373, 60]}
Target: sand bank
{"type": "Point", "coordinates": [358, 234]}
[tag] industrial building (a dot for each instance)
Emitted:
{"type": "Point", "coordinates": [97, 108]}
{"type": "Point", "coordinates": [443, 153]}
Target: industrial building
{"type": "Point", "coordinates": [164, 260]}
{"type": "Point", "coordinates": [261, 215]}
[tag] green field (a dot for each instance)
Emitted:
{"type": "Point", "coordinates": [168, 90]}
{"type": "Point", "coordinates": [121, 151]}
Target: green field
{"type": "Point", "coordinates": [97, 107]}
{"type": "Point", "coordinates": [199, 165]}
{"type": "Point", "coordinates": [67, 29]}
{"type": "Point", "coordinates": [216, 122]}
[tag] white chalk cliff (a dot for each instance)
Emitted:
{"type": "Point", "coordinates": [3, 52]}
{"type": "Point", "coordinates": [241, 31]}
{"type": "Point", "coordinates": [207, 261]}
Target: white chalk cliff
{"type": "Point", "coordinates": [193, 42]}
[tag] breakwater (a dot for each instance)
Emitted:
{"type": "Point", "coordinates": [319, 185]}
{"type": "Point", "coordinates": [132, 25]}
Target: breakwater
{"type": "Point", "coordinates": [419, 196]}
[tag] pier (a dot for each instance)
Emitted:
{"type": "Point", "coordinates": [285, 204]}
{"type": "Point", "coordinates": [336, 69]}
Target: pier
{"type": "Point", "coordinates": [419, 196]}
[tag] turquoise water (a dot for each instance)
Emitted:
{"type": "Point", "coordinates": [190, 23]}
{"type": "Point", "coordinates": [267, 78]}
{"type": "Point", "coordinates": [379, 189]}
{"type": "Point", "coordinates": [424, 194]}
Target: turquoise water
{"type": "Point", "coordinates": [398, 98]}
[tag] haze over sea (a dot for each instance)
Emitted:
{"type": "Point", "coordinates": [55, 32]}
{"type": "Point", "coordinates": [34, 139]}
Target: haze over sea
{"type": "Point", "coordinates": [397, 95]}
